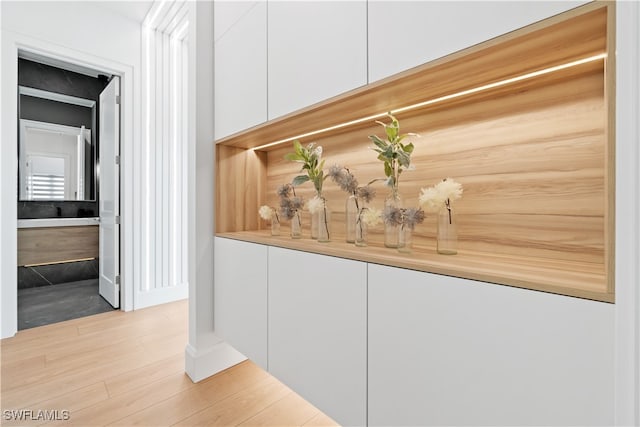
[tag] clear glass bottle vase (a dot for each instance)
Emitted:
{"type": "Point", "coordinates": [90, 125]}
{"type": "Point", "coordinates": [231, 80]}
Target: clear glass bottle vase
{"type": "Point", "coordinates": [351, 216]}
{"type": "Point", "coordinates": [391, 231]}
{"type": "Point", "coordinates": [361, 230]}
{"type": "Point", "coordinates": [405, 239]}
{"type": "Point", "coordinates": [324, 222]}
{"type": "Point", "coordinates": [314, 225]}
{"type": "Point", "coordinates": [275, 224]}
{"type": "Point", "coordinates": [447, 239]}
{"type": "Point", "coordinates": [296, 226]}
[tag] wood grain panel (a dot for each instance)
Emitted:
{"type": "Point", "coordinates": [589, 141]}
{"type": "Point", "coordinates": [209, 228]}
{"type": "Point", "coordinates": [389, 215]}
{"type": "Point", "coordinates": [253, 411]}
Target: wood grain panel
{"type": "Point", "coordinates": [535, 157]}
{"type": "Point", "coordinates": [532, 165]}
{"type": "Point", "coordinates": [240, 189]}
{"type": "Point", "coordinates": [47, 245]}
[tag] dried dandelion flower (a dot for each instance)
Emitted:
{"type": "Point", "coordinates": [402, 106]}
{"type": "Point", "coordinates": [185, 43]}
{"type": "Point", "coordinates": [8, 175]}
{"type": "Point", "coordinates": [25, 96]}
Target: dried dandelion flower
{"type": "Point", "coordinates": [412, 217]}
{"type": "Point", "coordinates": [392, 216]}
{"type": "Point", "coordinates": [284, 190]}
{"type": "Point", "coordinates": [366, 193]}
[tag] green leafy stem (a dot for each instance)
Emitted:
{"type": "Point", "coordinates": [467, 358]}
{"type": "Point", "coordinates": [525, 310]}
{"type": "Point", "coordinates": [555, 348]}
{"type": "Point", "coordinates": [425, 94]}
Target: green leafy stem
{"type": "Point", "coordinates": [310, 157]}
{"type": "Point", "coordinates": [395, 155]}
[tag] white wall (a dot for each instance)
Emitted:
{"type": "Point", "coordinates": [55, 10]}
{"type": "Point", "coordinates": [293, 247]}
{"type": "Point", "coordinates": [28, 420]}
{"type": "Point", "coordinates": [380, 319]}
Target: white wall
{"type": "Point", "coordinates": [79, 32]}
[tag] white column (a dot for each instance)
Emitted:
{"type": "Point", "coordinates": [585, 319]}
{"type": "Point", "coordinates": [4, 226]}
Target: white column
{"type": "Point", "coordinates": [205, 354]}
{"type": "Point", "coordinates": [627, 363]}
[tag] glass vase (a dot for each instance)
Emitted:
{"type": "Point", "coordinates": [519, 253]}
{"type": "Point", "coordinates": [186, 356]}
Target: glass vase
{"type": "Point", "coordinates": [351, 216]}
{"type": "Point", "coordinates": [324, 223]}
{"type": "Point", "coordinates": [296, 226]}
{"type": "Point", "coordinates": [391, 231]}
{"type": "Point", "coordinates": [405, 239]}
{"type": "Point", "coordinates": [275, 224]}
{"type": "Point", "coordinates": [361, 231]}
{"type": "Point", "coordinates": [314, 225]}
{"type": "Point", "coordinates": [447, 239]}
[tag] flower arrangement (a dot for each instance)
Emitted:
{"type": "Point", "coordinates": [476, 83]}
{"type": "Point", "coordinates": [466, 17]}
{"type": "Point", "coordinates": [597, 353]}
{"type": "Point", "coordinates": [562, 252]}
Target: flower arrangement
{"type": "Point", "coordinates": [441, 195]}
{"type": "Point", "coordinates": [403, 217]}
{"type": "Point", "coordinates": [395, 155]}
{"type": "Point", "coordinates": [270, 214]}
{"type": "Point", "coordinates": [310, 157]}
{"type": "Point", "coordinates": [405, 221]}
{"type": "Point", "coordinates": [355, 203]}
{"type": "Point", "coordinates": [290, 204]}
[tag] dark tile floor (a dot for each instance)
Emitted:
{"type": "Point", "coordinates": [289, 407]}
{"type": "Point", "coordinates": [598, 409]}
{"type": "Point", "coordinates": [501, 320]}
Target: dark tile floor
{"type": "Point", "coordinates": [55, 303]}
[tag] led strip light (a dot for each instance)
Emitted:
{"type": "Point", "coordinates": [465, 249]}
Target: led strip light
{"type": "Point", "coordinates": [433, 101]}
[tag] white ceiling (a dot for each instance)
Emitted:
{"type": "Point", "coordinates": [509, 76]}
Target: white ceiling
{"type": "Point", "coordinates": [135, 10]}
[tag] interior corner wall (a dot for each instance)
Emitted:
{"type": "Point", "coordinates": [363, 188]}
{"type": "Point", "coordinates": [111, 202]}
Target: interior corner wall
{"type": "Point", "coordinates": [66, 29]}
{"type": "Point", "coordinates": [205, 353]}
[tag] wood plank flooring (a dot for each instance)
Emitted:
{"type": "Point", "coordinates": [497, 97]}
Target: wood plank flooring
{"type": "Point", "coordinates": [127, 369]}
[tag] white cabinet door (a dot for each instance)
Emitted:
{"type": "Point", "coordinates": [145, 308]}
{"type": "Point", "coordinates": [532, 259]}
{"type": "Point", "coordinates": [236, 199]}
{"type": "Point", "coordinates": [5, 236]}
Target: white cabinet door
{"type": "Point", "coordinates": [240, 66]}
{"type": "Point", "coordinates": [317, 330]}
{"type": "Point", "coordinates": [317, 49]}
{"type": "Point", "coordinates": [404, 34]}
{"type": "Point", "coordinates": [449, 351]}
{"type": "Point", "coordinates": [240, 297]}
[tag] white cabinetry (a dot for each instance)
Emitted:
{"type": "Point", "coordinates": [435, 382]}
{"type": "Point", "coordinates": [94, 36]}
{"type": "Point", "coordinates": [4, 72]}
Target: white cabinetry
{"type": "Point", "coordinates": [449, 351]}
{"type": "Point", "coordinates": [404, 34]}
{"type": "Point", "coordinates": [317, 49]}
{"type": "Point", "coordinates": [317, 330]}
{"type": "Point", "coordinates": [240, 66]}
{"type": "Point", "coordinates": [240, 297]}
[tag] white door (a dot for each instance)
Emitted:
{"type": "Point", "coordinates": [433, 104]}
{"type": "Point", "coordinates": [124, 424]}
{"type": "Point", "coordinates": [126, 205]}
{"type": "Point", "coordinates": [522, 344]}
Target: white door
{"type": "Point", "coordinates": [109, 143]}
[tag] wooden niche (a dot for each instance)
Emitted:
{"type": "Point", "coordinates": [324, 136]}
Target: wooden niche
{"type": "Point", "coordinates": [525, 122]}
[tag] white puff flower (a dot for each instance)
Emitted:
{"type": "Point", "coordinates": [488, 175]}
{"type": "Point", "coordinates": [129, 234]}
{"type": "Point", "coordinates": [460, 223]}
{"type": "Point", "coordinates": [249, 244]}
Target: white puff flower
{"type": "Point", "coordinates": [315, 205]}
{"type": "Point", "coordinates": [371, 216]}
{"type": "Point", "coordinates": [449, 189]}
{"type": "Point", "coordinates": [265, 212]}
{"type": "Point", "coordinates": [431, 199]}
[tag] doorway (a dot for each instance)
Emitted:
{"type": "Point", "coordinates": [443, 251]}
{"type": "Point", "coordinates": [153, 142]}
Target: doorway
{"type": "Point", "coordinates": [68, 191]}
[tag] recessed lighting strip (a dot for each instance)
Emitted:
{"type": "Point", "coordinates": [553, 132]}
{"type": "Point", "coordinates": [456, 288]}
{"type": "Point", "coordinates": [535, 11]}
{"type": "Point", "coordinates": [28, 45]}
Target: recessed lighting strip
{"type": "Point", "coordinates": [433, 101]}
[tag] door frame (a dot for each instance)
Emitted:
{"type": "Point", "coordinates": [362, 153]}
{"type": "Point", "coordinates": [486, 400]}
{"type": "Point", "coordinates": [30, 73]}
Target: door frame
{"type": "Point", "coordinates": [12, 43]}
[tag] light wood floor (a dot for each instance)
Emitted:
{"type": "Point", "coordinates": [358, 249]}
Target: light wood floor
{"type": "Point", "coordinates": [128, 369]}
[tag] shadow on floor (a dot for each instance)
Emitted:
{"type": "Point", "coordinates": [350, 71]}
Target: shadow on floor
{"type": "Point", "coordinates": [44, 305]}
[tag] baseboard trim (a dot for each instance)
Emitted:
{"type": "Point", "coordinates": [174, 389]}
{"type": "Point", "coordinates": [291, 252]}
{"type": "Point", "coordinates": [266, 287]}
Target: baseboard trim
{"type": "Point", "coordinates": [202, 364]}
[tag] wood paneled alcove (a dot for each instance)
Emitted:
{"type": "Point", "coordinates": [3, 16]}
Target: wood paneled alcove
{"type": "Point", "coordinates": [534, 150]}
